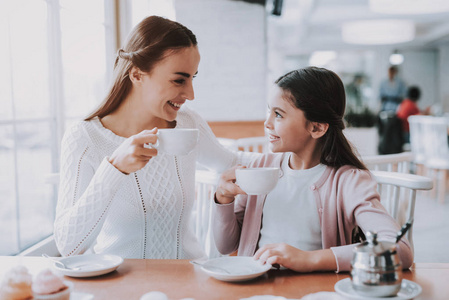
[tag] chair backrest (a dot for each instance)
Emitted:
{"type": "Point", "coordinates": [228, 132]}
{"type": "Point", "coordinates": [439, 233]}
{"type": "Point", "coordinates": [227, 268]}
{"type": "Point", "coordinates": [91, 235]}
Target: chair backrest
{"type": "Point", "coordinates": [248, 144]}
{"type": "Point", "coordinates": [253, 144]}
{"type": "Point", "coordinates": [205, 186]}
{"type": "Point", "coordinates": [408, 182]}
{"type": "Point", "coordinates": [428, 137]}
{"type": "Point", "coordinates": [399, 162]}
{"type": "Point", "coordinates": [230, 144]}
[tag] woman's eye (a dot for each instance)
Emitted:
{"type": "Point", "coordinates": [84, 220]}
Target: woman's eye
{"type": "Point", "coordinates": [180, 81]}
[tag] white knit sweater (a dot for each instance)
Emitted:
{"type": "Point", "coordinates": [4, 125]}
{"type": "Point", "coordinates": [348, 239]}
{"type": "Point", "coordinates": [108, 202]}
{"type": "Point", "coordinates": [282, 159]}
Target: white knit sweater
{"type": "Point", "coordinates": [146, 214]}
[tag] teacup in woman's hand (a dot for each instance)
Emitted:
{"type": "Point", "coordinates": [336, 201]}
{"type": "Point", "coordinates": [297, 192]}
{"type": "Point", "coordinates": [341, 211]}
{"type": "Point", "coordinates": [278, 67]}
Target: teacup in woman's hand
{"type": "Point", "coordinates": [176, 141]}
{"type": "Point", "coordinates": [257, 181]}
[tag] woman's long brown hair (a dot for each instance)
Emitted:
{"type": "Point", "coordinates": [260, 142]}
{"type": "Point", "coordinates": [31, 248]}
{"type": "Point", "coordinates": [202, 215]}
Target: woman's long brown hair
{"type": "Point", "coordinates": [149, 42]}
{"type": "Point", "coordinates": [320, 94]}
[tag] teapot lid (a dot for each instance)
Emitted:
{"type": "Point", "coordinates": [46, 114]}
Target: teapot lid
{"type": "Point", "coordinates": [372, 245]}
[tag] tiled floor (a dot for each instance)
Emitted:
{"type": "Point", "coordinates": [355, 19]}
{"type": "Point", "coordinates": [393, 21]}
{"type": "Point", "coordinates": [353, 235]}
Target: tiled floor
{"type": "Point", "coordinates": [431, 230]}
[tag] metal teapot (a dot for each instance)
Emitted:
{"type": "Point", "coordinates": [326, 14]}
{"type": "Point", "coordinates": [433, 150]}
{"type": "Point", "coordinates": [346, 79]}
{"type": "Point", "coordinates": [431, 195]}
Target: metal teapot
{"type": "Point", "coordinates": [376, 270]}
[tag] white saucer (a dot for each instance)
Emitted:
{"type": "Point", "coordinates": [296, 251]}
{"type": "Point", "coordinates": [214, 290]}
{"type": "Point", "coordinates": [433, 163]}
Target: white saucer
{"type": "Point", "coordinates": [89, 265]}
{"type": "Point", "coordinates": [240, 268]}
{"type": "Point", "coordinates": [409, 290]}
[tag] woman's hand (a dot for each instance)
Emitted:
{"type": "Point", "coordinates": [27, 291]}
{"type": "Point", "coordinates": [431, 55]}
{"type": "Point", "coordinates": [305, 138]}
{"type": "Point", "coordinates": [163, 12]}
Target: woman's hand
{"type": "Point", "coordinates": [296, 259]}
{"type": "Point", "coordinates": [132, 155]}
{"type": "Point", "coordinates": [227, 189]}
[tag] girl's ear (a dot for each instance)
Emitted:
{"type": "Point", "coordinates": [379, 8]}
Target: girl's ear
{"type": "Point", "coordinates": [135, 75]}
{"type": "Point", "coordinates": [317, 130]}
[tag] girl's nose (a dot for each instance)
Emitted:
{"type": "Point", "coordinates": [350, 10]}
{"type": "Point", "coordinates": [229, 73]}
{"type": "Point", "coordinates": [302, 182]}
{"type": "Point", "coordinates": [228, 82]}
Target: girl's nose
{"type": "Point", "coordinates": [268, 123]}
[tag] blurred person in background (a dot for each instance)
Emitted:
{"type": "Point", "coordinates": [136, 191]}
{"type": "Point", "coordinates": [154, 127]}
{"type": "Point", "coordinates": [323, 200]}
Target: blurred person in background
{"type": "Point", "coordinates": [409, 108]}
{"type": "Point", "coordinates": [392, 90]}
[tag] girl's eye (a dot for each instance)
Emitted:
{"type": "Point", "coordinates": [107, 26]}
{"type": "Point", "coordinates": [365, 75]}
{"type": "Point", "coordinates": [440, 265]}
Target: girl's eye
{"type": "Point", "coordinates": [277, 115]}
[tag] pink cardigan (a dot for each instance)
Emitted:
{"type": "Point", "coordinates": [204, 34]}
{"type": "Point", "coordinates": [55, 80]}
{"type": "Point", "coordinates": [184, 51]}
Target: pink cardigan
{"type": "Point", "coordinates": [346, 197]}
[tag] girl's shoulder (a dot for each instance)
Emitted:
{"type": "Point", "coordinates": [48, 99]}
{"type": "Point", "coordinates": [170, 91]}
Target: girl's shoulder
{"type": "Point", "coordinates": [349, 175]}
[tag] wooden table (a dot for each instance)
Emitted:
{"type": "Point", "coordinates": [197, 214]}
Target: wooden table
{"type": "Point", "coordinates": [179, 279]}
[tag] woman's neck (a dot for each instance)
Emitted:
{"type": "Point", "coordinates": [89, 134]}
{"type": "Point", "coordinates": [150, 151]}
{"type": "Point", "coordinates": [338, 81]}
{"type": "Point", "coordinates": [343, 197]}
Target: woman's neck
{"type": "Point", "coordinates": [130, 119]}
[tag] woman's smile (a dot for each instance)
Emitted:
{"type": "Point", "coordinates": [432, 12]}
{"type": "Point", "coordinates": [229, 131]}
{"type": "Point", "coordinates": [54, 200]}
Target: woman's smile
{"type": "Point", "coordinates": [175, 105]}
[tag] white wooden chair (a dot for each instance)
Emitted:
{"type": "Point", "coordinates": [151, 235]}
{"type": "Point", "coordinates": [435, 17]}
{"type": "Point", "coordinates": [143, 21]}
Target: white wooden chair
{"type": "Point", "coordinates": [248, 144]}
{"type": "Point", "coordinates": [253, 144]}
{"type": "Point", "coordinates": [205, 186]}
{"type": "Point", "coordinates": [411, 183]}
{"type": "Point", "coordinates": [399, 162]}
{"type": "Point", "coordinates": [47, 246]}
{"type": "Point", "coordinates": [429, 144]}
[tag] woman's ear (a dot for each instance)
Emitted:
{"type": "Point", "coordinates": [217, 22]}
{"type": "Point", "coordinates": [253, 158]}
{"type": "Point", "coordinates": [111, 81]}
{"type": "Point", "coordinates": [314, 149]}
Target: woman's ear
{"type": "Point", "coordinates": [135, 75]}
{"type": "Point", "coordinates": [317, 130]}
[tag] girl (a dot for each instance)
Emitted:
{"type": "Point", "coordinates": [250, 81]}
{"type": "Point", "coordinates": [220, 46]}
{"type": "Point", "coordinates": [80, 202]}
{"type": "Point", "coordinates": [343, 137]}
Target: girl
{"type": "Point", "coordinates": [117, 195]}
{"type": "Point", "coordinates": [324, 191]}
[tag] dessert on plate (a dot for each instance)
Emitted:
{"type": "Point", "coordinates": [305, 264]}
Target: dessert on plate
{"type": "Point", "coordinates": [47, 285]}
{"type": "Point", "coordinates": [16, 284]}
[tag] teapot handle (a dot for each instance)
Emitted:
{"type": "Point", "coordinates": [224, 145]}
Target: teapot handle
{"type": "Point", "coordinates": [404, 229]}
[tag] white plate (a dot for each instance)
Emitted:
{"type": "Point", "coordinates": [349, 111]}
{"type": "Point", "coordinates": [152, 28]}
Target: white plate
{"type": "Point", "coordinates": [240, 268]}
{"type": "Point", "coordinates": [89, 265]}
{"type": "Point", "coordinates": [409, 290]}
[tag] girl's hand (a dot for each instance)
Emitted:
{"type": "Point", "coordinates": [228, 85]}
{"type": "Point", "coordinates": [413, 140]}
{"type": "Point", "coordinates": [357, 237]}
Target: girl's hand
{"type": "Point", "coordinates": [132, 155]}
{"type": "Point", "coordinates": [227, 189]}
{"type": "Point", "coordinates": [296, 259]}
{"type": "Point", "coordinates": [284, 255]}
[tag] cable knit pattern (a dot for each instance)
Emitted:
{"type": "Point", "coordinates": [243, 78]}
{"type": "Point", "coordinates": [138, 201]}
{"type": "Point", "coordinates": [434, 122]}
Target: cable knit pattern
{"type": "Point", "coordinates": [146, 214]}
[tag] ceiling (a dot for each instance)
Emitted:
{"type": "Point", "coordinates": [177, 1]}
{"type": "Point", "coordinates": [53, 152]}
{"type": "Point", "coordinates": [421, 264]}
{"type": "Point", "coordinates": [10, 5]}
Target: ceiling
{"type": "Point", "coordinates": [310, 25]}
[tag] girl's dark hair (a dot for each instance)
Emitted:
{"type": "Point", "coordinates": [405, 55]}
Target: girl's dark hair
{"type": "Point", "coordinates": [320, 94]}
{"type": "Point", "coordinates": [148, 43]}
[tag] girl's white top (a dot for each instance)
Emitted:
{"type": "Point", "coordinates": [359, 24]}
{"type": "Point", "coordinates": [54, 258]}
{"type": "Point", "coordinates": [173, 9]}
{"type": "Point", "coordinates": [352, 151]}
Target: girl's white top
{"type": "Point", "coordinates": [289, 213]}
{"type": "Point", "coordinates": [146, 214]}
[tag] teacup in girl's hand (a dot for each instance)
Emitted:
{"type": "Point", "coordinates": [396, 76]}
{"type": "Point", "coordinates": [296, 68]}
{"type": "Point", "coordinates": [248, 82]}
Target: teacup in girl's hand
{"type": "Point", "coordinates": [257, 181]}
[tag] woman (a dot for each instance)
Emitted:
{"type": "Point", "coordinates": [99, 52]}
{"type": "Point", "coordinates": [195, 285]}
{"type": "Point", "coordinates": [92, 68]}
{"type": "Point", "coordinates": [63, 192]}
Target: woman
{"type": "Point", "coordinates": [306, 222]}
{"type": "Point", "coordinates": [117, 195]}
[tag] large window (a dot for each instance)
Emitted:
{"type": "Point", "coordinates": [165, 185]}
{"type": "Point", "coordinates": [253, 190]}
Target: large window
{"type": "Point", "coordinates": [56, 58]}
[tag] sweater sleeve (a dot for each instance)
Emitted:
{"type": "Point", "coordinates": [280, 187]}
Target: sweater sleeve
{"type": "Point", "coordinates": [215, 156]}
{"type": "Point", "coordinates": [85, 194]}
{"type": "Point", "coordinates": [360, 206]}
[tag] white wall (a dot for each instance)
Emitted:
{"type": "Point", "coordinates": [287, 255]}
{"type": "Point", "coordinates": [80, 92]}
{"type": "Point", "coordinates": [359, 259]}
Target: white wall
{"type": "Point", "coordinates": [443, 75]}
{"type": "Point", "coordinates": [420, 68]}
{"type": "Point", "coordinates": [231, 81]}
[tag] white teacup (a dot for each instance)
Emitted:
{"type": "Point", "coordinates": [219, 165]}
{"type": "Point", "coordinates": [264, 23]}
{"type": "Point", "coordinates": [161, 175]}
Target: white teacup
{"type": "Point", "coordinates": [257, 181]}
{"type": "Point", "coordinates": [176, 141]}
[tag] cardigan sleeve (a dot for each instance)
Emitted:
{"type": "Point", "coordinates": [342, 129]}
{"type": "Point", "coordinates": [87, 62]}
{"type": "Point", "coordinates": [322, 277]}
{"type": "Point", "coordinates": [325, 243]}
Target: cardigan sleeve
{"type": "Point", "coordinates": [360, 206]}
{"type": "Point", "coordinates": [227, 225]}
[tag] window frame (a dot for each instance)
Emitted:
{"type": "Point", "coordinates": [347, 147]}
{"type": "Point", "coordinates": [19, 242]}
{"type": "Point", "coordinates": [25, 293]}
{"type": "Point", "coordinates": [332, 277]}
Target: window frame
{"type": "Point", "coordinates": [57, 119]}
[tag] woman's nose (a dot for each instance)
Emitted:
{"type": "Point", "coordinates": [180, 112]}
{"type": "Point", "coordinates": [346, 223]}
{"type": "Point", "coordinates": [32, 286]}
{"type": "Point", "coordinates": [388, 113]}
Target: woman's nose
{"type": "Point", "coordinates": [189, 93]}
